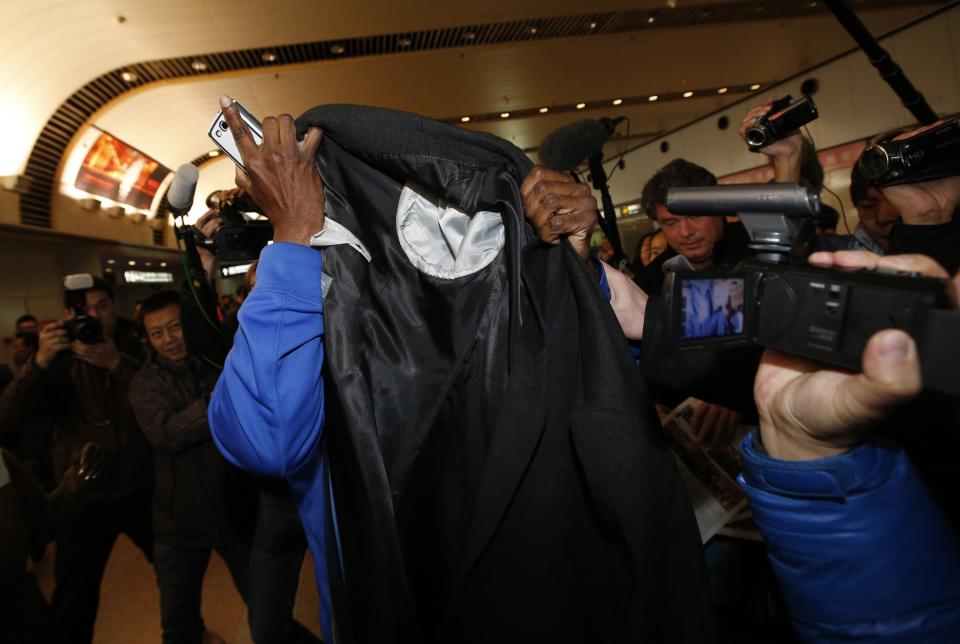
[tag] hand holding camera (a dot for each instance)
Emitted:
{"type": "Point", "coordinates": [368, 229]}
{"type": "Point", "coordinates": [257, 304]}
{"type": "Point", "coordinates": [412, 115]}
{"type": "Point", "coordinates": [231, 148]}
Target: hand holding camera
{"type": "Point", "coordinates": [808, 412]}
{"type": "Point", "coordinates": [281, 175]}
{"type": "Point", "coordinates": [53, 340]}
{"type": "Point", "coordinates": [785, 152]}
{"type": "Point", "coordinates": [103, 354]}
{"type": "Point", "coordinates": [927, 202]}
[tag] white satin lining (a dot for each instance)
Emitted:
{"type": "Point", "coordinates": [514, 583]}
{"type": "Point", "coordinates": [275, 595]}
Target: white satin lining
{"type": "Point", "coordinates": [445, 242]}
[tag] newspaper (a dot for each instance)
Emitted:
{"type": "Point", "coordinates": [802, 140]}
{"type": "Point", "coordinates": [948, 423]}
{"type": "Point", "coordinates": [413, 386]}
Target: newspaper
{"type": "Point", "coordinates": [709, 475]}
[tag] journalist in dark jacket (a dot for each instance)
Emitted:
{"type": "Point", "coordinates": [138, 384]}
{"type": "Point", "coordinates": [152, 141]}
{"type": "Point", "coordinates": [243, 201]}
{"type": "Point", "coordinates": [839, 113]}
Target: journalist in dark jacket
{"type": "Point", "coordinates": [82, 389]}
{"type": "Point", "coordinates": [190, 516]}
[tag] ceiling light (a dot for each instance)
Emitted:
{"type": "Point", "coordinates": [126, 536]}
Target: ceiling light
{"type": "Point", "coordinates": [132, 263]}
{"type": "Point", "coordinates": [337, 49]}
{"type": "Point", "coordinates": [651, 20]}
{"type": "Point", "coordinates": [108, 270]}
{"type": "Point", "coordinates": [268, 57]}
{"type": "Point", "coordinates": [199, 66]}
{"type": "Point", "coordinates": [755, 86]}
{"type": "Point", "coordinates": [653, 98]}
{"type": "Point", "coordinates": [580, 106]}
{"type": "Point", "coordinates": [504, 115]}
{"type": "Point", "coordinates": [593, 25]}
{"type": "Point", "coordinates": [149, 264]}
{"type": "Point", "coordinates": [404, 42]}
{"type": "Point", "coordinates": [532, 30]}
{"type": "Point", "coordinates": [163, 264]}
{"type": "Point", "coordinates": [544, 110]}
{"type": "Point", "coordinates": [687, 94]}
{"type": "Point", "coordinates": [464, 119]}
{"type": "Point", "coordinates": [213, 153]}
{"type": "Point", "coordinates": [470, 36]}
{"type": "Point", "coordinates": [722, 90]}
{"type": "Point", "coordinates": [111, 261]}
{"type": "Point", "coordinates": [617, 101]}
{"type": "Point", "coordinates": [129, 76]}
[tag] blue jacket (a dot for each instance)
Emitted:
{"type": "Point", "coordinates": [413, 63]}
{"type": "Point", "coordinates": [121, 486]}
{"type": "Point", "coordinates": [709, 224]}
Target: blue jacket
{"type": "Point", "coordinates": [862, 552]}
{"type": "Point", "coordinates": [267, 410]}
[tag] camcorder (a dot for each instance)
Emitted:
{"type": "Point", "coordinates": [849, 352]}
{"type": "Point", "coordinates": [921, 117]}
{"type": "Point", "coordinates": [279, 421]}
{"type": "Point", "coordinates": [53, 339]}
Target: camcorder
{"type": "Point", "coordinates": [82, 327]}
{"type": "Point", "coordinates": [775, 299]}
{"type": "Point", "coordinates": [784, 116]}
{"type": "Point", "coordinates": [928, 155]}
{"type": "Point", "coordinates": [238, 239]}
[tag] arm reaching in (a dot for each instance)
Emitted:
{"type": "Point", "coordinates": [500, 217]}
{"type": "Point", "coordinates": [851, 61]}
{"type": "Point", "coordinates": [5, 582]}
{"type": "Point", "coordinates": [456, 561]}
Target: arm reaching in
{"type": "Point", "coordinates": [267, 412]}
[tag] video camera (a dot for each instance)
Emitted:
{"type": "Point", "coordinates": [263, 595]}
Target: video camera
{"type": "Point", "coordinates": [239, 238]}
{"type": "Point", "coordinates": [784, 116]}
{"type": "Point", "coordinates": [928, 155]}
{"type": "Point", "coordinates": [776, 300]}
{"type": "Point", "coordinates": [82, 327]}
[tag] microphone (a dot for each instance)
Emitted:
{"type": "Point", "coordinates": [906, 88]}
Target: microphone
{"type": "Point", "coordinates": [182, 189]}
{"type": "Point", "coordinates": [567, 147]}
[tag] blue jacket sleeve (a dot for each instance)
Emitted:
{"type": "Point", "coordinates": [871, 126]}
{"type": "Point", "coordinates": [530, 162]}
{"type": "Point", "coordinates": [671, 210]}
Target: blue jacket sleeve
{"type": "Point", "coordinates": [266, 412]}
{"type": "Point", "coordinates": [862, 551]}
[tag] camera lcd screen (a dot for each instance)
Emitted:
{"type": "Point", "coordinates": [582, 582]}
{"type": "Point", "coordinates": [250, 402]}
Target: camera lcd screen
{"type": "Point", "coordinates": [711, 308]}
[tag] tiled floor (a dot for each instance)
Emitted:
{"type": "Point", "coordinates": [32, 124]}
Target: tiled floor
{"type": "Point", "coordinates": [130, 604]}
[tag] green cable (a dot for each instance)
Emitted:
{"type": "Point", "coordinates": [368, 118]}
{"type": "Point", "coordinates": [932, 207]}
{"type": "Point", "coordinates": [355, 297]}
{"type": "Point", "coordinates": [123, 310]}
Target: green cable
{"type": "Point", "coordinates": [196, 298]}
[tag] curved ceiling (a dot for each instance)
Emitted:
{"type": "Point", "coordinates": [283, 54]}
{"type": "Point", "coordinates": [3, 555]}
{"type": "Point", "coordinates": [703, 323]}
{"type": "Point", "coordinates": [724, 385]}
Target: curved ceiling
{"type": "Point", "coordinates": [54, 47]}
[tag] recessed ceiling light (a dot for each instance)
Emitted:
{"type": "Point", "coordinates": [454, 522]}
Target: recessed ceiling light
{"type": "Point", "coordinates": [532, 30]}
{"type": "Point", "coordinates": [199, 66]}
{"type": "Point", "coordinates": [129, 76]}
{"type": "Point", "coordinates": [593, 25]}
{"type": "Point", "coordinates": [404, 42]}
{"type": "Point", "coordinates": [580, 106]}
{"type": "Point", "coordinates": [687, 94]}
{"type": "Point", "coordinates": [213, 153]}
{"type": "Point", "coordinates": [504, 115]}
{"type": "Point", "coordinates": [132, 263]}
{"type": "Point", "coordinates": [651, 20]}
{"type": "Point", "coordinates": [755, 86]}
{"type": "Point", "coordinates": [544, 110]}
{"type": "Point", "coordinates": [268, 57]}
{"type": "Point", "coordinates": [722, 90]}
{"type": "Point", "coordinates": [163, 264]}
{"type": "Point", "coordinates": [464, 119]}
{"type": "Point", "coordinates": [108, 270]}
{"type": "Point", "coordinates": [111, 261]}
{"type": "Point", "coordinates": [149, 264]}
{"type": "Point", "coordinates": [617, 101]}
{"type": "Point", "coordinates": [653, 98]}
{"type": "Point", "coordinates": [470, 36]}
{"type": "Point", "coordinates": [337, 49]}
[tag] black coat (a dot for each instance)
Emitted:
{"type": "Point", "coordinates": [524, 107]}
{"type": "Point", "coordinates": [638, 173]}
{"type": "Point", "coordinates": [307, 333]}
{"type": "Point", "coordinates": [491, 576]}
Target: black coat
{"type": "Point", "coordinates": [499, 472]}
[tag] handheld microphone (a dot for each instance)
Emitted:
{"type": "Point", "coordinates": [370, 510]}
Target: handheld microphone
{"type": "Point", "coordinates": [182, 189]}
{"type": "Point", "coordinates": [567, 147]}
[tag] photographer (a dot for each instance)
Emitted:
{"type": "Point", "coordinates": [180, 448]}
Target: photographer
{"type": "Point", "coordinates": [83, 390]}
{"type": "Point", "coordinates": [31, 518]}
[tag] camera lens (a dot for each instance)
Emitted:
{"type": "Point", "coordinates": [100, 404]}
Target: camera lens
{"type": "Point", "coordinates": [756, 136]}
{"type": "Point", "coordinates": [223, 125]}
{"type": "Point", "coordinates": [874, 162]}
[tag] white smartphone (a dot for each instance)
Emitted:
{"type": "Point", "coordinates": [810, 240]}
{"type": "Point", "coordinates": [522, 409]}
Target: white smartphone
{"type": "Point", "coordinates": [223, 138]}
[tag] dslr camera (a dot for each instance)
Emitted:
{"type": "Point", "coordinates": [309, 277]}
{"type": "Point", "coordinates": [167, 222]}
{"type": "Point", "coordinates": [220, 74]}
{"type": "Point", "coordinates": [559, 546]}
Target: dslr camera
{"type": "Point", "coordinates": [239, 238]}
{"type": "Point", "coordinates": [82, 327]}
{"type": "Point", "coordinates": [931, 154]}
{"type": "Point", "coordinates": [784, 116]}
{"type": "Point", "coordinates": [775, 299]}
